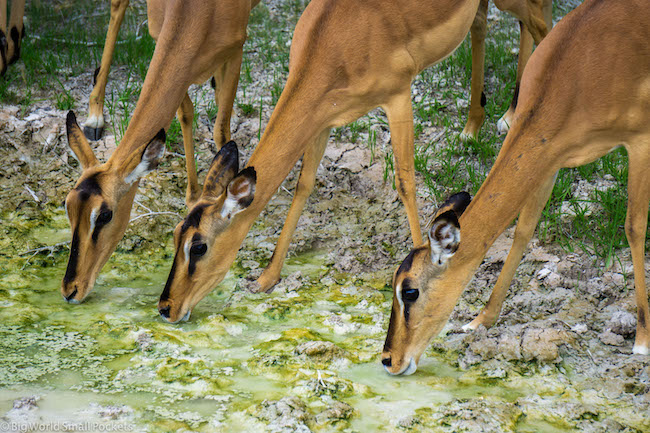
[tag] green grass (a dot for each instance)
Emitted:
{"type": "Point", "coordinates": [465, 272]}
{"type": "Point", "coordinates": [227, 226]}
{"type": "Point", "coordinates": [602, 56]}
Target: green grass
{"type": "Point", "coordinates": [65, 40]}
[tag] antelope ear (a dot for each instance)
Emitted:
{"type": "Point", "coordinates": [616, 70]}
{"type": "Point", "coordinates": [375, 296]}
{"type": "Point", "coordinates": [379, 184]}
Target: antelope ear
{"type": "Point", "coordinates": [78, 142]}
{"type": "Point", "coordinates": [457, 202]}
{"type": "Point", "coordinates": [149, 159]}
{"type": "Point", "coordinates": [223, 169]}
{"type": "Point", "coordinates": [444, 237]}
{"type": "Point", "coordinates": [241, 191]}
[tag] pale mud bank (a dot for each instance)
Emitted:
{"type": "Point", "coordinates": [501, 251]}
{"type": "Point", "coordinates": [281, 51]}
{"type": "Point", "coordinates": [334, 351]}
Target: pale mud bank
{"type": "Point", "coordinates": [305, 357]}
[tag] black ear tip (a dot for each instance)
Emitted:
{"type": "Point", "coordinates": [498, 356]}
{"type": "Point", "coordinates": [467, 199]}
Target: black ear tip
{"type": "Point", "coordinates": [162, 136]}
{"type": "Point", "coordinates": [449, 216]}
{"type": "Point", "coordinates": [459, 202]}
{"type": "Point", "coordinates": [70, 119]}
{"type": "Point", "coordinates": [230, 147]}
{"type": "Point", "coordinates": [249, 172]}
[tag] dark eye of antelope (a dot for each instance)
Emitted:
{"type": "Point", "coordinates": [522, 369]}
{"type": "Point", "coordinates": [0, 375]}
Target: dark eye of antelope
{"type": "Point", "coordinates": [104, 217]}
{"type": "Point", "coordinates": [197, 250]}
{"type": "Point", "coordinates": [410, 295]}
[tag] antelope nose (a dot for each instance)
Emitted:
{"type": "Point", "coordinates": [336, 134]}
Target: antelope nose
{"type": "Point", "coordinates": [71, 296]}
{"type": "Point", "coordinates": [164, 312]}
{"type": "Point", "coordinates": [386, 362]}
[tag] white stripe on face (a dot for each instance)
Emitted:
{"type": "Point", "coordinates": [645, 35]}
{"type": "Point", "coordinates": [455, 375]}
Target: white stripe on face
{"type": "Point", "coordinates": [93, 220]}
{"type": "Point", "coordinates": [398, 293]}
{"type": "Point", "coordinates": [186, 249]}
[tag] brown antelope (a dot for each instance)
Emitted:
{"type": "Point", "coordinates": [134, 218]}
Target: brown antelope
{"type": "Point", "coordinates": [535, 20]}
{"type": "Point", "coordinates": [10, 41]}
{"type": "Point", "coordinates": [225, 79]}
{"type": "Point", "coordinates": [581, 96]}
{"type": "Point", "coordinates": [195, 38]}
{"type": "Point", "coordinates": [347, 57]}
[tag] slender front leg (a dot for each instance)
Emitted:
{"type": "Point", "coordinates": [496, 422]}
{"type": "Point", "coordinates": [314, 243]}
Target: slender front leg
{"type": "Point", "coordinates": [636, 225]}
{"type": "Point", "coordinates": [185, 115]}
{"type": "Point", "coordinates": [525, 51]}
{"type": "Point", "coordinates": [400, 122]}
{"type": "Point", "coordinates": [16, 31]}
{"type": "Point", "coordinates": [94, 126]}
{"type": "Point", "coordinates": [526, 224]}
{"type": "Point", "coordinates": [476, 115]}
{"type": "Point", "coordinates": [226, 80]}
{"type": "Point", "coordinates": [310, 161]}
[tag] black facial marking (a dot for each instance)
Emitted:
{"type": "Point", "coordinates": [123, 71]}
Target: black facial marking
{"type": "Point", "coordinates": [197, 250]}
{"type": "Point", "coordinates": [483, 99]}
{"type": "Point", "coordinates": [193, 219]}
{"type": "Point", "coordinates": [213, 83]}
{"type": "Point", "coordinates": [391, 332]}
{"type": "Point", "coordinates": [95, 76]}
{"type": "Point", "coordinates": [165, 294]}
{"type": "Point", "coordinates": [104, 217]}
{"type": "Point", "coordinates": [71, 271]}
{"type": "Point", "coordinates": [88, 187]}
{"type": "Point", "coordinates": [408, 261]}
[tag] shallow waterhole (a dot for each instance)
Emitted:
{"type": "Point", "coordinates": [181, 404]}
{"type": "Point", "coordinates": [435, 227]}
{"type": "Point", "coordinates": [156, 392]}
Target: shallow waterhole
{"type": "Point", "coordinates": [215, 371]}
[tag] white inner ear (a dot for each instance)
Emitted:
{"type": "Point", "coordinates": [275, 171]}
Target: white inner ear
{"type": "Point", "coordinates": [186, 249]}
{"type": "Point", "coordinates": [229, 208]}
{"type": "Point", "coordinates": [93, 219]}
{"type": "Point", "coordinates": [442, 249]}
{"type": "Point", "coordinates": [139, 171]}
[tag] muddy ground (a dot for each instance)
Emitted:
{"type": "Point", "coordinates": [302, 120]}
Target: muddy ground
{"type": "Point", "coordinates": [305, 357]}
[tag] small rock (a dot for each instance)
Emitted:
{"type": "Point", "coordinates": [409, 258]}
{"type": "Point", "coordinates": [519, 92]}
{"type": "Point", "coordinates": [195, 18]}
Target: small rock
{"type": "Point", "coordinates": [608, 337]}
{"type": "Point", "coordinates": [324, 350]}
{"type": "Point", "coordinates": [27, 402]}
{"type": "Point", "coordinates": [623, 323]}
{"type": "Point", "coordinates": [339, 410]}
{"type": "Point", "coordinates": [579, 328]}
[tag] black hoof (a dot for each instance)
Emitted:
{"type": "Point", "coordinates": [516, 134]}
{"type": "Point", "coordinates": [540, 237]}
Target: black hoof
{"type": "Point", "coordinates": [93, 134]}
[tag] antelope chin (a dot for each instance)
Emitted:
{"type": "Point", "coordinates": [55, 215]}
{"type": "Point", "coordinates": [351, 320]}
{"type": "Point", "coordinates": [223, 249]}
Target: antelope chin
{"type": "Point", "coordinates": [185, 318]}
{"type": "Point", "coordinates": [409, 370]}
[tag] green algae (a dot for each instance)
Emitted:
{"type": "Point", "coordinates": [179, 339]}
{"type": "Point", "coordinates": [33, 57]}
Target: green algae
{"type": "Point", "coordinates": [228, 368]}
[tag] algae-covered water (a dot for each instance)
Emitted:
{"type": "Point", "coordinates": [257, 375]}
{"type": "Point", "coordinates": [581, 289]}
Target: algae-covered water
{"type": "Point", "coordinates": [305, 357]}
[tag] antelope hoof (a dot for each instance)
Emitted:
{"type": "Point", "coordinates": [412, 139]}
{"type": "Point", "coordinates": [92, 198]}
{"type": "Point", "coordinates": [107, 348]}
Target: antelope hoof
{"type": "Point", "coordinates": [93, 134]}
{"type": "Point", "coordinates": [640, 349]}
{"type": "Point", "coordinates": [253, 286]}
{"type": "Point", "coordinates": [471, 326]}
{"type": "Point", "coordinates": [503, 125]}
{"type": "Point", "coordinates": [467, 136]}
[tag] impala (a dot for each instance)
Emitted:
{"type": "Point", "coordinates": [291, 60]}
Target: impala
{"type": "Point", "coordinates": [195, 38]}
{"type": "Point", "coordinates": [347, 57]}
{"type": "Point", "coordinates": [581, 96]}
{"type": "Point", "coordinates": [10, 41]}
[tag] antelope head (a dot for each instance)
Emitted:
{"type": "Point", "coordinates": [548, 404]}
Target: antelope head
{"type": "Point", "coordinates": [421, 305]}
{"type": "Point", "coordinates": [197, 265]}
{"type": "Point", "coordinates": [99, 206]}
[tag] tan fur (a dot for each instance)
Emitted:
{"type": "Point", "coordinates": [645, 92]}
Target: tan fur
{"type": "Point", "coordinates": [15, 20]}
{"type": "Point", "coordinates": [600, 102]}
{"type": "Point", "coordinates": [181, 57]}
{"type": "Point", "coordinates": [347, 57]}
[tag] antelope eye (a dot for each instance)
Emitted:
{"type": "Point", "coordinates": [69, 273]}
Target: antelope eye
{"type": "Point", "coordinates": [105, 217]}
{"type": "Point", "coordinates": [197, 250]}
{"type": "Point", "coordinates": [410, 294]}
